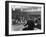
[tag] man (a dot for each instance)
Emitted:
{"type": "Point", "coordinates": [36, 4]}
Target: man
{"type": "Point", "coordinates": [30, 24]}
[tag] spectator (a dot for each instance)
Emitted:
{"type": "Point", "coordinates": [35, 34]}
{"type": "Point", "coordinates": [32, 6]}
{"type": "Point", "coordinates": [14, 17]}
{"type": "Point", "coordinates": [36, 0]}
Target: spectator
{"type": "Point", "coordinates": [30, 24]}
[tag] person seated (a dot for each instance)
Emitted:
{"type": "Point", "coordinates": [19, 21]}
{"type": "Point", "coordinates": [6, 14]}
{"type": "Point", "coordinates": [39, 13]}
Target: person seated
{"type": "Point", "coordinates": [30, 24]}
